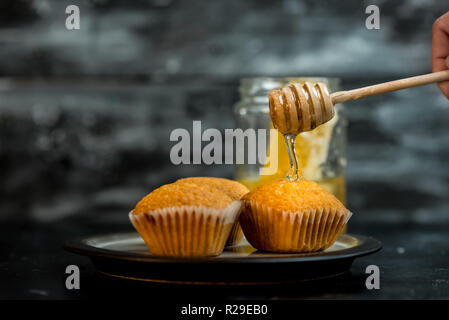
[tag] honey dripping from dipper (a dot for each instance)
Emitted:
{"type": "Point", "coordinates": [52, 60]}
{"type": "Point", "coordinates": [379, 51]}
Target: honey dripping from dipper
{"type": "Point", "coordinates": [293, 174]}
{"type": "Point", "coordinates": [295, 109]}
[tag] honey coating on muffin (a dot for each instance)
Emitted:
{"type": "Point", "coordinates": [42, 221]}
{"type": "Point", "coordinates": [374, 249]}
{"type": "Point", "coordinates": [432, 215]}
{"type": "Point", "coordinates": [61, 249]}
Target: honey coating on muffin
{"type": "Point", "coordinates": [293, 196]}
{"type": "Point", "coordinates": [233, 189]}
{"type": "Point", "coordinates": [183, 194]}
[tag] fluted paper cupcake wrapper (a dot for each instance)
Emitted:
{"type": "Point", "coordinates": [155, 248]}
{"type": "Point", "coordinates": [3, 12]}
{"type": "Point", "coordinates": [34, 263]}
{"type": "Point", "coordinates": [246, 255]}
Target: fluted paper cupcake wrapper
{"type": "Point", "coordinates": [236, 235]}
{"type": "Point", "coordinates": [186, 231]}
{"type": "Point", "coordinates": [280, 231]}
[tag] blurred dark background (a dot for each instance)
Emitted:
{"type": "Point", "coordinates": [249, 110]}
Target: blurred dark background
{"type": "Point", "coordinates": [85, 115]}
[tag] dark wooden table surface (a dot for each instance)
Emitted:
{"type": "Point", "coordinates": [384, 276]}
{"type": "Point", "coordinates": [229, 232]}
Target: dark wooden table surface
{"type": "Point", "coordinates": [414, 264]}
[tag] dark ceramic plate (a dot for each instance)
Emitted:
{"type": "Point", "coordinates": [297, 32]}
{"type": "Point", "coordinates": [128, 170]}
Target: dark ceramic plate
{"type": "Point", "coordinates": [124, 255]}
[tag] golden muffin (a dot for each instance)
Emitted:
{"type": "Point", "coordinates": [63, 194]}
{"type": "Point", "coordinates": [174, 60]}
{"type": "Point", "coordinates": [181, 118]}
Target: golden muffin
{"type": "Point", "coordinates": [233, 189]}
{"type": "Point", "coordinates": [185, 219]}
{"type": "Point", "coordinates": [292, 216]}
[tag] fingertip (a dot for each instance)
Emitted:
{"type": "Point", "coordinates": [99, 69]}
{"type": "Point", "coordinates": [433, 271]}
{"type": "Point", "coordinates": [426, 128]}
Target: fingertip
{"type": "Point", "coordinates": [444, 87]}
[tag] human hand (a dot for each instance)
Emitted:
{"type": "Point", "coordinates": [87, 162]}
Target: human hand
{"type": "Point", "coordinates": [440, 49]}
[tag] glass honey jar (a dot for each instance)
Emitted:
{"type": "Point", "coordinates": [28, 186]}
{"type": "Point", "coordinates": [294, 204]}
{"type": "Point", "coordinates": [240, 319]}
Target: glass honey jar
{"type": "Point", "coordinates": [321, 152]}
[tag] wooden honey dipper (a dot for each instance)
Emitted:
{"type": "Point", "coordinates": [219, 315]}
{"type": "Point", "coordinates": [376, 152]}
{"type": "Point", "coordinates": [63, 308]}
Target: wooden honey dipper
{"type": "Point", "coordinates": [299, 108]}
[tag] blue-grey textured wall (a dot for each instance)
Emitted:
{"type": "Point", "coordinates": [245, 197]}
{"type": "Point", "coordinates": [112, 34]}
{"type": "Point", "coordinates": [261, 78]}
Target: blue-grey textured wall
{"type": "Point", "coordinates": [85, 115]}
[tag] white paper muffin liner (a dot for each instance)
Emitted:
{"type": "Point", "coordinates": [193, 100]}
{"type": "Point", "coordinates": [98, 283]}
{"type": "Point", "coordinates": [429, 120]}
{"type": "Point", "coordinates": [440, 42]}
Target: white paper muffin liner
{"type": "Point", "coordinates": [186, 231]}
{"type": "Point", "coordinates": [280, 231]}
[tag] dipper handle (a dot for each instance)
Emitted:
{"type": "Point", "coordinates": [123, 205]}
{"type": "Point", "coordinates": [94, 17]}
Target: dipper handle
{"type": "Point", "coordinates": [342, 96]}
